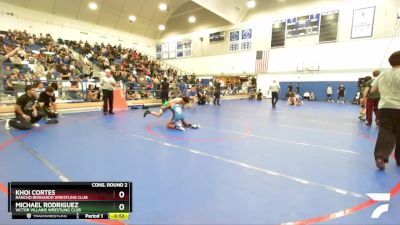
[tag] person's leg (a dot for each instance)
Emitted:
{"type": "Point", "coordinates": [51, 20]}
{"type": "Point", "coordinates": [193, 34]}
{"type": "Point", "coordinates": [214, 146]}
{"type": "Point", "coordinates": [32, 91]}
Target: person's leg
{"type": "Point", "coordinates": [36, 119]}
{"type": "Point", "coordinates": [20, 123]}
{"type": "Point", "coordinates": [396, 116]}
{"type": "Point", "coordinates": [105, 101]}
{"type": "Point", "coordinates": [370, 105]}
{"type": "Point", "coordinates": [376, 111]}
{"type": "Point", "coordinates": [274, 99]}
{"type": "Point", "coordinates": [111, 101]}
{"type": "Point", "coordinates": [386, 138]}
{"type": "Point", "coordinates": [163, 97]}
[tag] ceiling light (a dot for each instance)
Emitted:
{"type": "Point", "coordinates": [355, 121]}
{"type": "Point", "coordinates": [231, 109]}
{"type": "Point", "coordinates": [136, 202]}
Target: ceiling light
{"type": "Point", "coordinates": [163, 7]}
{"type": "Point", "coordinates": [132, 18]}
{"type": "Point", "coordinates": [93, 5]}
{"type": "Point", "coordinates": [192, 19]}
{"type": "Point", "coordinates": [251, 4]}
{"type": "Point", "coordinates": [161, 27]}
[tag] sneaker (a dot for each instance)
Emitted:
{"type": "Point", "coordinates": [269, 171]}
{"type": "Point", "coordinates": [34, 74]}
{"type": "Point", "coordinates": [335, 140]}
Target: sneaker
{"type": "Point", "coordinates": [380, 163]}
{"type": "Point", "coordinates": [180, 128]}
{"type": "Point", "coordinates": [35, 125]}
{"type": "Point", "coordinates": [368, 124]}
{"type": "Point", "coordinates": [146, 113]}
{"type": "Point", "coordinates": [7, 126]}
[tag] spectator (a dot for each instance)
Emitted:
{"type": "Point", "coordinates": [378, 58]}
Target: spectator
{"type": "Point", "coordinates": [259, 95]}
{"type": "Point", "coordinates": [47, 103]}
{"type": "Point", "coordinates": [3, 59]}
{"type": "Point", "coordinates": [25, 111]}
{"type": "Point", "coordinates": [372, 101]}
{"type": "Point", "coordinates": [164, 90]}
{"type": "Point", "coordinates": [341, 93]}
{"type": "Point", "coordinates": [312, 96]}
{"type": "Point", "coordinates": [217, 92]}
{"type": "Point", "coordinates": [92, 93]}
{"type": "Point", "coordinates": [306, 96]}
{"type": "Point", "coordinates": [388, 85]}
{"type": "Point", "coordinates": [329, 93]}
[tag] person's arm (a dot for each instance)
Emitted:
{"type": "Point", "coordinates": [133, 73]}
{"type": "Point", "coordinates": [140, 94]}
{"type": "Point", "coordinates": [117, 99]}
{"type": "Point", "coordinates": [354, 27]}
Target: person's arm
{"type": "Point", "coordinates": [366, 91]}
{"type": "Point", "coordinates": [13, 52]}
{"type": "Point", "coordinates": [374, 85]}
{"type": "Point", "coordinates": [374, 89]}
{"type": "Point", "coordinates": [20, 112]}
{"type": "Point", "coordinates": [34, 111]}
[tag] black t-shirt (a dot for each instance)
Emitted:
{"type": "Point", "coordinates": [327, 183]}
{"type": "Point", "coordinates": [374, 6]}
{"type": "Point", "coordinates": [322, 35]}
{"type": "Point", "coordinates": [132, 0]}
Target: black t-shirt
{"type": "Point", "coordinates": [341, 91]}
{"type": "Point", "coordinates": [218, 87]}
{"type": "Point", "coordinates": [46, 99]}
{"type": "Point", "coordinates": [164, 86]}
{"type": "Point", "coordinates": [26, 103]}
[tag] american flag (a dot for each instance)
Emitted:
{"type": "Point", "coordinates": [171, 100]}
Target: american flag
{"type": "Point", "coordinates": [262, 61]}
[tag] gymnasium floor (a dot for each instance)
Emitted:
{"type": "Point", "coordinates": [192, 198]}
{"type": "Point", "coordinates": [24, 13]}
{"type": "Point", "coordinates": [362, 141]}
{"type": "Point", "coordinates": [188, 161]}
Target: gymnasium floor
{"type": "Point", "coordinates": [247, 164]}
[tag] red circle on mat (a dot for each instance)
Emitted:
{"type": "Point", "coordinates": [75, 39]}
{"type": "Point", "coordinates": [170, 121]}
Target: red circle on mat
{"type": "Point", "coordinates": [150, 129]}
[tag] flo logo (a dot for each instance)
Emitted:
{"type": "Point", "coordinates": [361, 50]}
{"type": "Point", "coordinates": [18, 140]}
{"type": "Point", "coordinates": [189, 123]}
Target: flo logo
{"type": "Point", "coordinates": [380, 197]}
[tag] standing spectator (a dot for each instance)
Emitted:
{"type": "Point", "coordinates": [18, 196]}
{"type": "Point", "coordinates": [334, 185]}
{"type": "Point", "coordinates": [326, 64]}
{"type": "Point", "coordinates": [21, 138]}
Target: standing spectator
{"type": "Point", "coordinates": [298, 88]}
{"type": "Point", "coordinates": [25, 111]}
{"type": "Point", "coordinates": [107, 83]}
{"type": "Point", "coordinates": [388, 85]}
{"type": "Point", "coordinates": [183, 88]}
{"type": "Point", "coordinates": [274, 88]}
{"type": "Point", "coordinates": [372, 100]}
{"type": "Point", "coordinates": [341, 93]}
{"type": "Point", "coordinates": [259, 95]}
{"type": "Point", "coordinates": [164, 90]}
{"type": "Point", "coordinates": [329, 93]}
{"type": "Point", "coordinates": [217, 92]}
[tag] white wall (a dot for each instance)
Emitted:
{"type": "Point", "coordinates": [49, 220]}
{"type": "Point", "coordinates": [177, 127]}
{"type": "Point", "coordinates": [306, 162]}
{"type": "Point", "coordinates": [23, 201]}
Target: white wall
{"type": "Point", "coordinates": [68, 29]}
{"type": "Point", "coordinates": [345, 54]}
{"type": "Point", "coordinates": [212, 65]}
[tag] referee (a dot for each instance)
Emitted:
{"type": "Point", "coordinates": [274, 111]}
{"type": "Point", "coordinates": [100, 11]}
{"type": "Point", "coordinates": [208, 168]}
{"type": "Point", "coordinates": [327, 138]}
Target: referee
{"type": "Point", "coordinates": [107, 83]}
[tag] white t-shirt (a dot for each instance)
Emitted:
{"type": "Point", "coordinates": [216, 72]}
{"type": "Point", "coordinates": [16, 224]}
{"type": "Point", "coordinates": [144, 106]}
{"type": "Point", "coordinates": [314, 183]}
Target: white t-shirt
{"type": "Point", "coordinates": [107, 82]}
{"type": "Point", "coordinates": [388, 84]}
{"type": "Point", "coordinates": [274, 87]}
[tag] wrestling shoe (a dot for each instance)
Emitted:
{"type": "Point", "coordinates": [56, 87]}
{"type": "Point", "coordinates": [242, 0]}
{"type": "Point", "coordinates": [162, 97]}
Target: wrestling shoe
{"type": "Point", "coordinates": [380, 163]}
{"type": "Point", "coordinates": [146, 113]}
{"type": "Point", "coordinates": [7, 126]}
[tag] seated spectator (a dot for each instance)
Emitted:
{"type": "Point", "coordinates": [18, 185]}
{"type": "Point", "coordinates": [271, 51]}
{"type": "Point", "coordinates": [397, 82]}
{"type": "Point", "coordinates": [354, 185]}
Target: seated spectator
{"type": "Point", "coordinates": [25, 111]}
{"type": "Point", "coordinates": [73, 91]}
{"type": "Point", "coordinates": [9, 85]}
{"type": "Point", "coordinates": [312, 96]}
{"type": "Point", "coordinates": [40, 88]}
{"type": "Point", "coordinates": [202, 98]}
{"type": "Point", "coordinates": [7, 72]}
{"type": "Point", "coordinates": [65, 73]}
{"type": "Point", "coordinates": [92, 93]}
{"type": "Point", "coordinates": [306, 95]}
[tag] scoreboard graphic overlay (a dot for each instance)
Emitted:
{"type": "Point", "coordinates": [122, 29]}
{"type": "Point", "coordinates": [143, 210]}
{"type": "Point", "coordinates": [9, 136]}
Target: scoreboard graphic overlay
{"type": "Point", "coordinates": [70, 200]}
